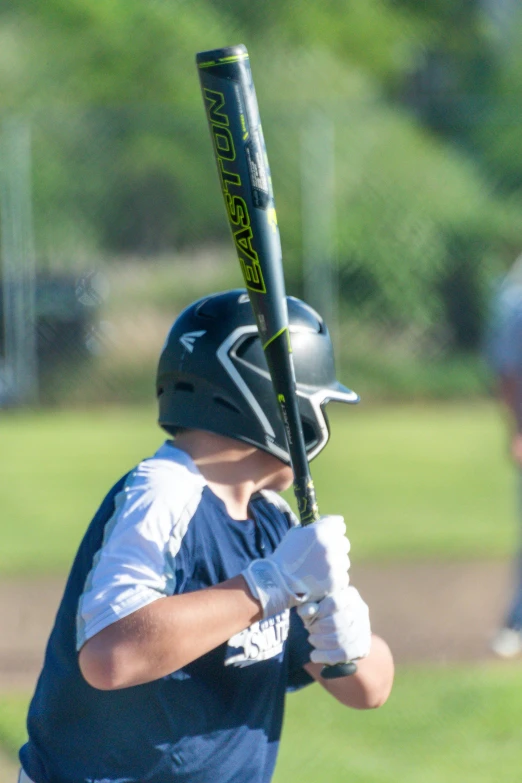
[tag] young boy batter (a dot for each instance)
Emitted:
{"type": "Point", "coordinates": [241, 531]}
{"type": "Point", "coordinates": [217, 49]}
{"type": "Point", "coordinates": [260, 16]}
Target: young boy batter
{"type": "Point", "coordinates": [196, 601]}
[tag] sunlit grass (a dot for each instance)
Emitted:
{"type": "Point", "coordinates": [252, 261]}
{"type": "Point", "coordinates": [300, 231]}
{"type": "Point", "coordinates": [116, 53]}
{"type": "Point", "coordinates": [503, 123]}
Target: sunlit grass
{"type": "Point", "coordinates": [439, 726]}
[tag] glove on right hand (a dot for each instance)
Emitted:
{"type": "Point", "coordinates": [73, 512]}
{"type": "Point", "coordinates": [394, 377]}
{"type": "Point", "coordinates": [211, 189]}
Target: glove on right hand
{"type": "Point", "coordinates": [339, 627]}
{"type": "Point", "coordinates": [308, 563]}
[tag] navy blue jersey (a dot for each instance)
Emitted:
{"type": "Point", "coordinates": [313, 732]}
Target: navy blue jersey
{"type": "Point", "coordinates": [161, 531]}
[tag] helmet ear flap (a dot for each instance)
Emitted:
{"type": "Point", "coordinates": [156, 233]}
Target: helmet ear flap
{"type": "Point", "coordinates": [316, 427]}
{"type": "Point", "coordinates": [310, 435]}
{"type": "Point", "coordinates": [326, 419]}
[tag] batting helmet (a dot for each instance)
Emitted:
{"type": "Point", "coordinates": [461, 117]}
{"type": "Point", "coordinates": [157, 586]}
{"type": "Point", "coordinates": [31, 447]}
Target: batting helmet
{"type": "Point", "coordinates": [213, 376]}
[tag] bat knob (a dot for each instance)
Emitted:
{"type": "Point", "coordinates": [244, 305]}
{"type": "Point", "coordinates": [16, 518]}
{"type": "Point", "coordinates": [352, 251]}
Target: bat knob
{"type": "Point", "coordinates": [338, 670]}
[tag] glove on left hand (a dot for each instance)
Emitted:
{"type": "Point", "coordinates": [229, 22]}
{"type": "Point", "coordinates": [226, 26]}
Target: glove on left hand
{"type": "Point", "coordinates": [338, 626]}
{"type": "Point", "coordinates": [307, 564]}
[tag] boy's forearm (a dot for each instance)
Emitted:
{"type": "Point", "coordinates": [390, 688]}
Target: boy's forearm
{"type": "Point", "coordinates": [370, 686]}
{"type": "Point", "coordinates": [166, 635]}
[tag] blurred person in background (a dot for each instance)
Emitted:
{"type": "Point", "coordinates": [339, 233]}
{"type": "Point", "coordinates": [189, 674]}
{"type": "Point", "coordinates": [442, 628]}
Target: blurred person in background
{"type": "Point", "coordinates": [504, 355]}
{"type": "Point", "coordinates": [196, 601]}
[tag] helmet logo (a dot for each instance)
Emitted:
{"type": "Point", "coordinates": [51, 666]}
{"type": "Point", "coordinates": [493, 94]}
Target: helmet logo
{"type": "Point", "coordinates": [188, 339]}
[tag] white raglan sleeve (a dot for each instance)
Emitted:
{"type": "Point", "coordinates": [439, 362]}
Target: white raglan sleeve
{"type": "Point", "coordinates": [135, 564]}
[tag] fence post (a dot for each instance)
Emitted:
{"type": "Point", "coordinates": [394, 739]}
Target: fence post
{"type": "Point", "coordinates": [20, 371]}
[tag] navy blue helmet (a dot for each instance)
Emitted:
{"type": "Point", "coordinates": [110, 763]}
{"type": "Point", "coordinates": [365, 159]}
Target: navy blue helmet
{"type": "Point", "coordinates": [213, 375]}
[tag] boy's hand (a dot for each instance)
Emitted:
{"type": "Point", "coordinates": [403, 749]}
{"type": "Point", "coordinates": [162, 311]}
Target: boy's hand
{"type": "Point", "coordinates": [308, 563]}
{"type": "Point", "coordinates": [338, 627]}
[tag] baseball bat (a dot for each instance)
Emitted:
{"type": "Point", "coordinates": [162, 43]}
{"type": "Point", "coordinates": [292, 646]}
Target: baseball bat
{"type": "Point", "coordinates": [235, 126]}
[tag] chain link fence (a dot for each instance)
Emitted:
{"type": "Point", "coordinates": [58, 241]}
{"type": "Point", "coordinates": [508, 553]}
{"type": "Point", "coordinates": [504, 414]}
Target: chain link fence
{"type": "Point", "coordinates": [112, 222]}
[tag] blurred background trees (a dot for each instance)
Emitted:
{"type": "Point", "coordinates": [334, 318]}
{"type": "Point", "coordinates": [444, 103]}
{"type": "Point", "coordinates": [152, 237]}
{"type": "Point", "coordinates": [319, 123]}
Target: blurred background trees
{"type": "Point", "coordinates": [415, 104]}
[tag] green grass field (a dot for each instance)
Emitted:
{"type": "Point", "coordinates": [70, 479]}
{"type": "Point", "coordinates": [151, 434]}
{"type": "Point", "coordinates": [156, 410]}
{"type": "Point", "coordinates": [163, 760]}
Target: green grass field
{"type": "Point", "coordinates": [412, 481]}
{"type": "Point", "coordinates": [439, 726]}
{"type": "Point", "coordinates": [420, 481]}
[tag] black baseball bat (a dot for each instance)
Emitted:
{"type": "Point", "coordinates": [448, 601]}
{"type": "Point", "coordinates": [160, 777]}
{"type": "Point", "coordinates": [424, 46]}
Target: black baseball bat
{"type": "Point", "coordinates": [233, 115]}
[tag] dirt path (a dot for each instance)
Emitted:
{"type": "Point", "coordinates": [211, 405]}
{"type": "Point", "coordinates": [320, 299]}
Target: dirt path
{"type": "Point", "coordinates": [428, 612]}
{"type": "Point", "coordinates": [436, 612]}
{"type": "Point", "coordinates": [8, 769]}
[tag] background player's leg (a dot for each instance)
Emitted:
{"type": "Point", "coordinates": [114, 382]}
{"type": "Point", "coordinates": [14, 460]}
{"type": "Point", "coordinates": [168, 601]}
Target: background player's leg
{"type": "Point", "coordinates": [508, 641]}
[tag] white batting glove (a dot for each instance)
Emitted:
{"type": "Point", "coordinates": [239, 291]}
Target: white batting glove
{"type": "Point", "coordinates": [308, 563]}
{"type": "Point", "coordinates": [338, 627]}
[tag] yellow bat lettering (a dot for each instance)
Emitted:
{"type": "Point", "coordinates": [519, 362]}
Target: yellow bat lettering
{"type": "Point", "coordinates": [237, 210]}
{"type": "Point", "coordinates": [215, 102]}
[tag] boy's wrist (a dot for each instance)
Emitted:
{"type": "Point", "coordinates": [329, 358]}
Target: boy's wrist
{"type": "Point", "coordinates": [268, 585]}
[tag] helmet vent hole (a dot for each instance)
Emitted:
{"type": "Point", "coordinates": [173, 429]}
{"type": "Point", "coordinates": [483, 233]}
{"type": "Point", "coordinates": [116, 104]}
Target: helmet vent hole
{"type": "Point", "coordinates": [226, 404]}
{"type": "Point", "coordinates": [246, 346]}
{"type": "Point", "coordinates": [183, 386]}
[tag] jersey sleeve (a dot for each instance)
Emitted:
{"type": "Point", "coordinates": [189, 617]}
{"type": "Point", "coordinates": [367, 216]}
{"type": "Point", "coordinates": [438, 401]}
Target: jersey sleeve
{"type": "Point", "coordinates": [137, 561]}
{"type": "Point", "coordinates": [298, 652]}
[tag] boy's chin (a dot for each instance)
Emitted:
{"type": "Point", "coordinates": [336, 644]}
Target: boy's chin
{"type": "Point", "coordinates": [282, 480]}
